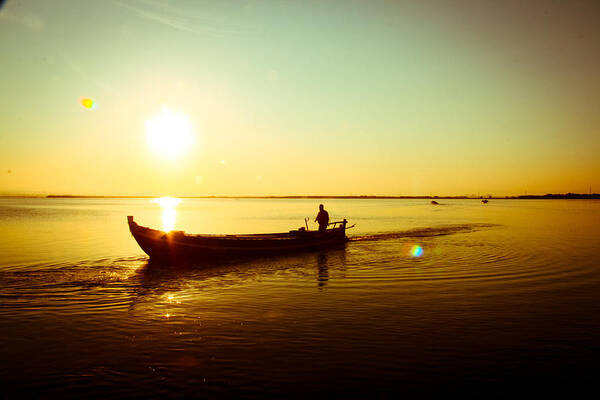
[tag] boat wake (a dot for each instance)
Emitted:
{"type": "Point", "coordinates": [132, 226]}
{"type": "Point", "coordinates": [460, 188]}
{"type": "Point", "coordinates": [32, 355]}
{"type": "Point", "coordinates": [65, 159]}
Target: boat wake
{"type": "Point", "coordinates": [423, 232]}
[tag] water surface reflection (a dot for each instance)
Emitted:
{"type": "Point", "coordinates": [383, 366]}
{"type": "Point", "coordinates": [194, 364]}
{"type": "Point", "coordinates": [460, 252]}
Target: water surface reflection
{"type": "Point", "coordinates": [169, 212]}
{"type": "Point", "coordinates": [497, 298]}
{"type": "Point", "coordinates": [323, 275]}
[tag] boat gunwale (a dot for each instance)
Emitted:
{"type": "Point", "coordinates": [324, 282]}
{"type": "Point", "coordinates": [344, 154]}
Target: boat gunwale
{"type": "Point", "coordinates": [291, 235]}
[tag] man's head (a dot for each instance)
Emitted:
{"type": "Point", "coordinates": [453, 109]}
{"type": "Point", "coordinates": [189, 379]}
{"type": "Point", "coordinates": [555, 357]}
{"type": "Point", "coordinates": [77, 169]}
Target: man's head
{"type": "Point", "coordinates": [321, 207]}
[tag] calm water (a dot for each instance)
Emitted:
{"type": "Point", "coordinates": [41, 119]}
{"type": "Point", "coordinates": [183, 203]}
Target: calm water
{"type": "Point", "coordinates": [504, 297]}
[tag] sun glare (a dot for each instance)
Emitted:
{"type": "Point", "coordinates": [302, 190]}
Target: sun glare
{"type": "Point", "coordinates": [169, 214]}
{"type": "Point", "coordinates": [169, 133]}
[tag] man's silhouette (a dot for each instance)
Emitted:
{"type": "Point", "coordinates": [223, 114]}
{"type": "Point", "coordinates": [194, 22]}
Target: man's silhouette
{"type": "Point", "coordinates": [322, 218]}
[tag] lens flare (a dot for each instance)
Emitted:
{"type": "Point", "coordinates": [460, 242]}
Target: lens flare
{"type": "Point", "coordinates": [169, 213]}
{"type": "Point", "coordinates": [87, 103]}
{"type": "Point", "coordinates": [416, 251]}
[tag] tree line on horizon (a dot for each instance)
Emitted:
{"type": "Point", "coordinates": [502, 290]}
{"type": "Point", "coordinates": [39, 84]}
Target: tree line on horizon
{"type": "Point", "coordinates": [527, 196]}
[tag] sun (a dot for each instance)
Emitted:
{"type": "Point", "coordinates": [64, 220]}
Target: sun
{"type": "Point", "coordinates": [169, 133]}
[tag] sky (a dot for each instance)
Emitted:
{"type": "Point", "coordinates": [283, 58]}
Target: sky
{"type": "Point", "coordinates": [195, 98]}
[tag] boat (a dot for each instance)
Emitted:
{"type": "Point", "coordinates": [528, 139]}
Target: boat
{"type": "Point", "coordinates": [178, 245]}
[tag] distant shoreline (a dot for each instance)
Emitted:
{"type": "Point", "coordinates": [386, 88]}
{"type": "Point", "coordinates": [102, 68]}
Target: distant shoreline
{"type": "Point", "coordinates": [564, 196]}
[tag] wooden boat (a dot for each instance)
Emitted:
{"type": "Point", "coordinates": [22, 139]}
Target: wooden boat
{"type": "Point", "coordinates": [178, 245]}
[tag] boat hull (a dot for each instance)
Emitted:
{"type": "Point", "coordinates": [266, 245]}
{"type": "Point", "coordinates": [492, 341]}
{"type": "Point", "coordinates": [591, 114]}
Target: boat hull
{"type": "Point", "coordinates": [179, 246]}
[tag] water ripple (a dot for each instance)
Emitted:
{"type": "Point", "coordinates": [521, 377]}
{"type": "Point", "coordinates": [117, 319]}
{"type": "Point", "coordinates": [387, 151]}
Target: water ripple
{"type": "Point", "coordinates": [423, 232]}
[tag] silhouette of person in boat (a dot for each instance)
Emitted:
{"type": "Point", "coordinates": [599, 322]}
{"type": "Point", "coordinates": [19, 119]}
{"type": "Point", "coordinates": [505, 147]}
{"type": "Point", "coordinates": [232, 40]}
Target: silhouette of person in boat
{"type": "Point", "coordinates": [322, 218]}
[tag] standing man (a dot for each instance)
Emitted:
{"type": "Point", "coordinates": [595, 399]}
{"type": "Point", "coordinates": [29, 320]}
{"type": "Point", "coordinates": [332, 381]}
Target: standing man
{"type": "Point", "coordinates": [322, 218]}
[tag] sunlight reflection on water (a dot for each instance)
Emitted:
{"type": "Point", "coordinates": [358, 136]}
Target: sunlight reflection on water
{"type": "Point", "coordinates": [169, 212]}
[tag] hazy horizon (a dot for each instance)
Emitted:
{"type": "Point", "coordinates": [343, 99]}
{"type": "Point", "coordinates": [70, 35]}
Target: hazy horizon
{"type": "Point", "coordinates": [299, 196]}
{"type": "Point", "coordinates": [282, 98]}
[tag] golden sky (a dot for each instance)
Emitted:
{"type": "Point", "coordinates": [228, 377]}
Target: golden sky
{"type": "Point", "coordinates": [296, 98]}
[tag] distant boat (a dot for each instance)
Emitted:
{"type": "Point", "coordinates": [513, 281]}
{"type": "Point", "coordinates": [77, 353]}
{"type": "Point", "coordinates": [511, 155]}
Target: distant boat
{"type": "Point", "coordinates": [177, 245]}
{"type": "Point", "coordinates": [484, 201]}
{"type": "Point", "coordinates": [434, 202]}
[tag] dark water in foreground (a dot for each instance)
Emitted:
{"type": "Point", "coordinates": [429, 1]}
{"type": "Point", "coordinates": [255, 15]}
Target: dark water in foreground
{"type": "Point", "coordinates": [504, 298]}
